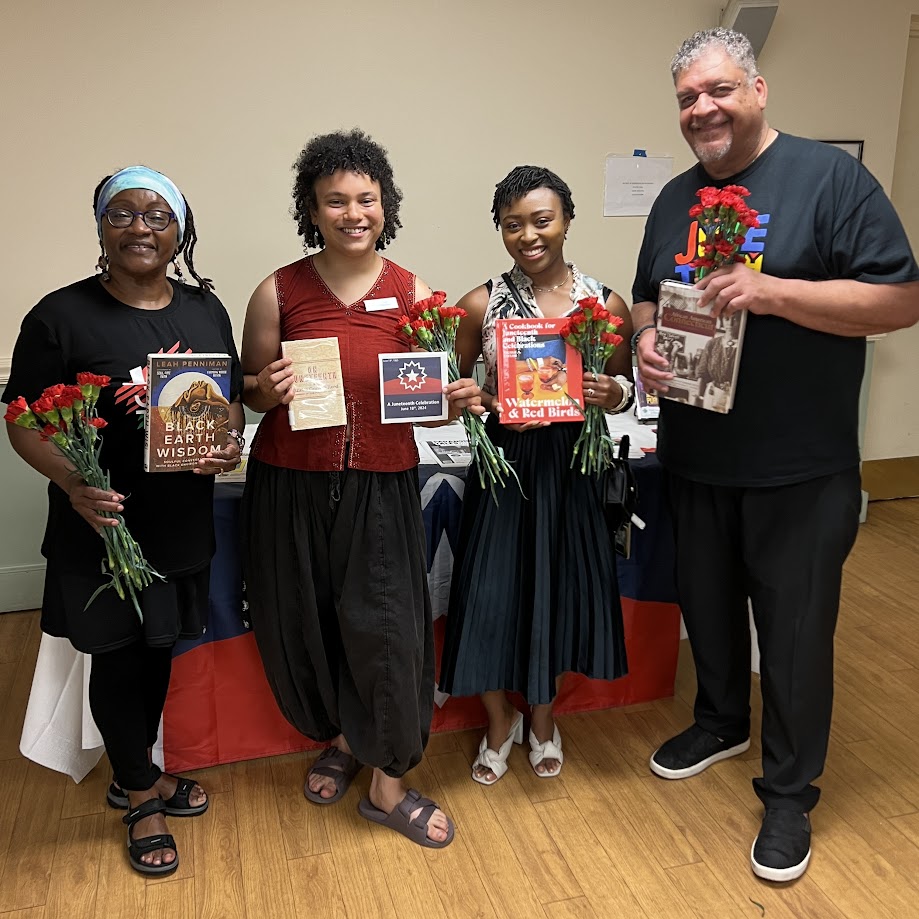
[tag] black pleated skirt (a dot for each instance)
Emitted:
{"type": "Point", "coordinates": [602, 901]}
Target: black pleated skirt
{"type": "Point", "coordinates": [338, 599]}
{"type": "Point", "coordinates": [534, 592]}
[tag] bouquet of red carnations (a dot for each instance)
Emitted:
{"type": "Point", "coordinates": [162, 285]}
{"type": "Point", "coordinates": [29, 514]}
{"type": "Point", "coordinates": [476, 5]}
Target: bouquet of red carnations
{"type": "Point", "coordinates": [431, 326]}
{"type": "Point", "coordinates": [592, 330]}
{"type": "Point", "coordinates": [724, 219]}
{"type": "Point", "coordinates": [67, 416]}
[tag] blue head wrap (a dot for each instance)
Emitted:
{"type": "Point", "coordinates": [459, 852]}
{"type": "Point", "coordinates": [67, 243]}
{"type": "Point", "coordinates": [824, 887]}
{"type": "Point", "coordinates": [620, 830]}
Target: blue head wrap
{"type": "Point", "coordinates": [149, 179]}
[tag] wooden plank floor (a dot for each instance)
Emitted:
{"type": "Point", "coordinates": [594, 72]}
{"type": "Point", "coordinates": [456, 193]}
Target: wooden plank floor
{"type": "Point", "coordinates": [606, 839]}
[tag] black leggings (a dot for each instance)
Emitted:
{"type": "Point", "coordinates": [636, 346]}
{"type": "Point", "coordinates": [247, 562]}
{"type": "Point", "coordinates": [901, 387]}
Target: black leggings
{"type": "Point", "coordinates": [127, 692]}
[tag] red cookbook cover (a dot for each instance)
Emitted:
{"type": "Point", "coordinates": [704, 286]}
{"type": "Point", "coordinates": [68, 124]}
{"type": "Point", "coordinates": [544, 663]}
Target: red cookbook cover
{"type": "Point", "coordinates": [539, 375]}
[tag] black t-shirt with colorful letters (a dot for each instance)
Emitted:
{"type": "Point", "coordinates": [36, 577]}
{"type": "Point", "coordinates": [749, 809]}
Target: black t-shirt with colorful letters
{"type": "Point", "coordinates": [822, 216]}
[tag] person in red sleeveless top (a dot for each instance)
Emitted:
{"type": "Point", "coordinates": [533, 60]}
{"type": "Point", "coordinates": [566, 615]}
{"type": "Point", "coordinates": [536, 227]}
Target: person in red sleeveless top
{"type": "Point", "coordinates": [335, 557]}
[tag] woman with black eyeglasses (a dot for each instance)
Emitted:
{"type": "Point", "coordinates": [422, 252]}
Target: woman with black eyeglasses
{"type": "Point", "coordinates": [107, 325]}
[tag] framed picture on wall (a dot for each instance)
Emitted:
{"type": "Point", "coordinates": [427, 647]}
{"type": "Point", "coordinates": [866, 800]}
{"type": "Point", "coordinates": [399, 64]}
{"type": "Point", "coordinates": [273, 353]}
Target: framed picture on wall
{"type": "Point", "coordinates": [853, 147]}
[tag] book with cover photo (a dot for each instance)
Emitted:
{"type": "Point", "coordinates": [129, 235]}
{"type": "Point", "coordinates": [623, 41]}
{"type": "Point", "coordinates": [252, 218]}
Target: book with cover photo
{"type": "Point", "coordinates": [704, 352]}
{"type": "Point", "coordinates": [539, 375]}
{"type": "Point", "coordinates": [647, 406]}
{"type": "Point", "coordinates": [319, 392]}
{"type": "Point", "coordinates": [188, 409]}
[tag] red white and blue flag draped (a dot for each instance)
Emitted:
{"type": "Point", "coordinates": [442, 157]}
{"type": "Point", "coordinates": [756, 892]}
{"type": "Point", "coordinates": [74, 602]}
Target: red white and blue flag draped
{"type": "Point", "coordinates": [220, 708]}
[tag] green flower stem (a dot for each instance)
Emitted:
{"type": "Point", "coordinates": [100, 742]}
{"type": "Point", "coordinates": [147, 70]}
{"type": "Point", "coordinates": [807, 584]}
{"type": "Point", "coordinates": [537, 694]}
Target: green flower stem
{"type": "Point", "coordinates": [127, 570]}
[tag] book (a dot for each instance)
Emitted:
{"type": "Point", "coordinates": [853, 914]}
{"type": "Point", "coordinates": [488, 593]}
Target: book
{"type": "Point", "coordinates": [188, 409]}
{"type": "Point", "coordinates": [450, 452]}
{"type": "Point", "coordinates": [539, 374]}
{"type": "Point", "coordinates": [647, 405]}
{"type": "Point", "coordinates": [703, 351]}
{"type": "Point", "coordinates": [319, 391]}
{"type": "Point", "coordinates": [412, 387]}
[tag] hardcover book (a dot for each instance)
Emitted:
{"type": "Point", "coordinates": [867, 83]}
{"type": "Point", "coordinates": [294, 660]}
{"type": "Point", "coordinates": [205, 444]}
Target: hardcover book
{"type": "Point", "coordinates": [188, 409]}
{"type": "Point", "coordinates": [703, 351]}
{"type": "Point", "coordinates": [539, 374]}
{"type": "Point", "coordinates": [319, 392]}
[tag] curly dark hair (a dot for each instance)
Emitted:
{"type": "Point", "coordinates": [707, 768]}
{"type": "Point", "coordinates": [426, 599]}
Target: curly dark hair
{"type": "Point", "coordinates": [520, 181]}
{"type": "Point", "coordinates": [187, 247]}
{"type": "Point", "coordinates": [352, 151]}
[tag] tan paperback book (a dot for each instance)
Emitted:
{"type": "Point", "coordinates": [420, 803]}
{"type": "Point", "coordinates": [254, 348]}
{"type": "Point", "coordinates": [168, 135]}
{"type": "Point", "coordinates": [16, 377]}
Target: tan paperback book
{"type": "Point", "coordinates": [319, 393]}
{"type": "Point", "coordinates": [703, 351]}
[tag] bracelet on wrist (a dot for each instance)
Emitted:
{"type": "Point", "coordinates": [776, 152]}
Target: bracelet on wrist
{"type": "Point", "coordinates": [628, 390]}
{"type": "Point", "coordinates": [639, 332]}
{"type": "Point", "coordinates": [238, 437]}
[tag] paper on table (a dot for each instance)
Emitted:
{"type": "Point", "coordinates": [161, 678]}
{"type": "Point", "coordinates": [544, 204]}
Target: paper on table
{"type": "Point", "coordinates": [640, 435]}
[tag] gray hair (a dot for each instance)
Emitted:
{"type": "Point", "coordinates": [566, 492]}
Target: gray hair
{"type": "Point", "coordinates": [736, 45]}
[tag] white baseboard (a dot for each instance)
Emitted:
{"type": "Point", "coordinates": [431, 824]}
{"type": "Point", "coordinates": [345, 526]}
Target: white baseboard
{"type": "Point", "coordinates": [21, 587]}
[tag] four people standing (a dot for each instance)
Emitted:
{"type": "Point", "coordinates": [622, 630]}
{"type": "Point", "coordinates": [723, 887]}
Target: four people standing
{"type": "Point", "coordinates": [765, 499]}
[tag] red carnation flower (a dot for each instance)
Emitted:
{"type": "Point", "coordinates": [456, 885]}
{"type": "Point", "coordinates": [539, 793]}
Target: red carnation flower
{"type": "Point", "coordinates": [19, 413]}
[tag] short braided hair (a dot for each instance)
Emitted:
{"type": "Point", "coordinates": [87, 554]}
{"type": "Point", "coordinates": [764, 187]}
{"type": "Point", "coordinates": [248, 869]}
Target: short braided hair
{"type": "Point", "coordinates": [350, 151]}
{"type": "Point", "coordinates": [187, 246]}
{"type": "Point", "coordinates": [520, 181]}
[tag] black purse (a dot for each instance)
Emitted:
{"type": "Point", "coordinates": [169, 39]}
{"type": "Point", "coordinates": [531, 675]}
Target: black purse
{"type": "Point", "coordinates": [620, 496]}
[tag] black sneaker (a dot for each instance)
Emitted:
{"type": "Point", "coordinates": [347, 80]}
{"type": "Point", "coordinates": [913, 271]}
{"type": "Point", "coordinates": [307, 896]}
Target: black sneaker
{"type": "Point", "coordinates": [783, 848]}
{"type": "Point", "coordinates": [692, 752]}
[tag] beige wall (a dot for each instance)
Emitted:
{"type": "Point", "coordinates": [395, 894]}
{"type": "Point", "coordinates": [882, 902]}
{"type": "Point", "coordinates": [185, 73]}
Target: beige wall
{"type": "Point", "coordinates": [221, 96]}
{"type": "Point", "coordinates": [893, 411]}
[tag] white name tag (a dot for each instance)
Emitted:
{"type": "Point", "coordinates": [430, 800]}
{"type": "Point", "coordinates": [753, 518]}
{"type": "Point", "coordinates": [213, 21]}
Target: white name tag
{"type": "Point", "coordinates": [384, 303]}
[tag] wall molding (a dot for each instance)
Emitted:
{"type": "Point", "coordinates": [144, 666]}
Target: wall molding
{"type": "Point", "coordinates": [914, 26]}
{"type": "Point", "coordinates": [21, 587]}
{"type": "Point", "coordinates": [5, 364]}
{"type": "Point", "coordinates": [891, 478]}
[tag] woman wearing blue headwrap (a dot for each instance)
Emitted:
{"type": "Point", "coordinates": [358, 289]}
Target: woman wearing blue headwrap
{"type": "Point", "coordinates": [107, 325]}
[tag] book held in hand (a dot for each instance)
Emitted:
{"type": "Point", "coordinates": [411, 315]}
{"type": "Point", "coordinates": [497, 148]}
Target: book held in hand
{"type": "Point", "coordinates": [319, 391]}
{"type": "Point", "coordinates": [539, 375]}
{"type": "Point", "coordinates": [188, 409]}
{"type": "Point", "coordinates": [412, 387]}
{"type": "Point", "coordinates": [647, 405]}
{"type": "Point", "coordinates": [703, 351]}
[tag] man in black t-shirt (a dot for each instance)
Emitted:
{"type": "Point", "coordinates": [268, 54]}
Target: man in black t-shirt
{"type": "Point", "coordinates": [766, 498]}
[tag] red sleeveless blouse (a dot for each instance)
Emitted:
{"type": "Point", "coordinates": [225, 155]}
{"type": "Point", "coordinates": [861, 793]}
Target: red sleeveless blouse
{"type": "Point", "coordinates": [310, 310]}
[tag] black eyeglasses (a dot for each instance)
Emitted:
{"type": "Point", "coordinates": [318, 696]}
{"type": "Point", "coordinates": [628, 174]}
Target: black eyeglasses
{"type": "Point", "coordinates": [120, 218]}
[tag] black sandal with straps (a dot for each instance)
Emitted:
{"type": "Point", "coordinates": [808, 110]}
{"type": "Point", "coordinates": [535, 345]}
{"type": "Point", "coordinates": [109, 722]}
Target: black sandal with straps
{"type": "Point", "coordinates": [179, 805]}
{"type": "Point", "coordinates": [146, 844]}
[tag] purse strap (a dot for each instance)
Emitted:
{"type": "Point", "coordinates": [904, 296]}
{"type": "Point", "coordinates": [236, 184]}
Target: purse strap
{"type": "Point", "coordinates": [515, 293]}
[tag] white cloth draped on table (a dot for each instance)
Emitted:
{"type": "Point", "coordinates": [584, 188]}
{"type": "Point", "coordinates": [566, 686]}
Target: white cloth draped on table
{"type": "Point", "coordinates": [59, 731]}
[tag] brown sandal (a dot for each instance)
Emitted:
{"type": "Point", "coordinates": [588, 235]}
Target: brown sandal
{"type": "Point", "coordinates": [400, 819]}
{"type": "Point", "coordinates": [334, 764]}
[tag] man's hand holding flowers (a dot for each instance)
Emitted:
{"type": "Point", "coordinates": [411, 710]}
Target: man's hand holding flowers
{"type": "Point", "coordinates": [736, 287]}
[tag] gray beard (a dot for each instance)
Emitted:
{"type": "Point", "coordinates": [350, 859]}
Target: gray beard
{"type": "Point", "coordinates": [706, 154]}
